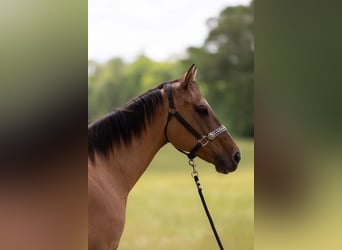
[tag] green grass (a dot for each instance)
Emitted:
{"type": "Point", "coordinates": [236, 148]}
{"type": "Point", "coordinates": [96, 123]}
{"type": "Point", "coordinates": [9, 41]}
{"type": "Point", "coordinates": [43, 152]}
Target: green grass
{"type": "Point", "coordinates": [164, 210]}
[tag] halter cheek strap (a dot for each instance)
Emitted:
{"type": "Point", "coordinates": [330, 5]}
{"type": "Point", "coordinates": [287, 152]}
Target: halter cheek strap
{"type": "Point", "coordinates": [202, 140]}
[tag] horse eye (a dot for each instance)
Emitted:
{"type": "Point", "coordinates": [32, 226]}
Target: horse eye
{"type": "Point", "coordinates": [202, 110]}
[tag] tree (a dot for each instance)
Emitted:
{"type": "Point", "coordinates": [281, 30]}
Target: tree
{"type": "Point", "coordinates": [227, 56]}
{"type": "Point", "coordinates": [104, 87]}
{"type": "Point", "coordinates": [112, 84]}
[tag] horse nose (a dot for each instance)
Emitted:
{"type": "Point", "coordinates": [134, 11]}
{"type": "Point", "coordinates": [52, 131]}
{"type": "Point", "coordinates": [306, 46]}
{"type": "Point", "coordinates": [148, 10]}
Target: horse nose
{"type": "Point", "coordinates": [237, 157]}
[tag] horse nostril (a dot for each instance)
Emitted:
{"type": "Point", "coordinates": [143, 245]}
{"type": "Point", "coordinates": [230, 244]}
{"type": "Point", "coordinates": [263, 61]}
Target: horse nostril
{"type": "Point", "coordinates": [237, 157]}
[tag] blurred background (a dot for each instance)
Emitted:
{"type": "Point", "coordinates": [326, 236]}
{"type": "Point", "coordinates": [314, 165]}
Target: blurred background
{"type": "Point", "coordinates": [43, 116]}
{"type": "Point", "coordinates": [135, 45]}
{"type": "Point", "coordinates": [136, 50]}
{"type": "Point", "coordinates": [44, 69]}
{"type": "Point", "coordinates": [298, 125]}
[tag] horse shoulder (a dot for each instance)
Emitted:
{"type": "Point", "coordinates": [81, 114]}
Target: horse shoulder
{"type": "Point", "coordinates": [106, 210]}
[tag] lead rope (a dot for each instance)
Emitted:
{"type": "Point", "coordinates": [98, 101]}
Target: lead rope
{"type": "Point", "coordinates": [194, 174]}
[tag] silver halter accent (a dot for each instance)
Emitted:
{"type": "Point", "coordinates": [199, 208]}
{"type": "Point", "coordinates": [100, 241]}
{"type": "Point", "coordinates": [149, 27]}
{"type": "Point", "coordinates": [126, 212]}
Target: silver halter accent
{"type": "Point", "coordinates": [213, 134]}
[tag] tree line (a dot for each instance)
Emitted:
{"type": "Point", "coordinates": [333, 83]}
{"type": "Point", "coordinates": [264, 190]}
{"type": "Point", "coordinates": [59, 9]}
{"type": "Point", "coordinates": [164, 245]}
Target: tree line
{"type": "Point", "coordinates": [225, 62]}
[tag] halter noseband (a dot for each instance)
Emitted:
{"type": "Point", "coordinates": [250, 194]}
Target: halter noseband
{"type": "Point", "coordinates": [203, 140]}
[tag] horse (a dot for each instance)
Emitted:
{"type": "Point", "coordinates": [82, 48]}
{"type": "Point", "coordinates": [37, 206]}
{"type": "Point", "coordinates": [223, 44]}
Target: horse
{"type": "Point", "coordinates": [123, 143]}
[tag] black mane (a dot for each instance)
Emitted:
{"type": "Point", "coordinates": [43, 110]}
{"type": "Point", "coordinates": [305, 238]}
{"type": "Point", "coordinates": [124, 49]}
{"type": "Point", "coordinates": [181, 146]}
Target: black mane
{"type": "Point", "coordinates": [123, 124]}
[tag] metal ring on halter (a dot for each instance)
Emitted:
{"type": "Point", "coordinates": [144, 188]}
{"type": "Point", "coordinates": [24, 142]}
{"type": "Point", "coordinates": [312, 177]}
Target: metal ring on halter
{"type": "Point", "coordinates": [204, 140]}
{"type": "Point", "coordinates": [172, 111]}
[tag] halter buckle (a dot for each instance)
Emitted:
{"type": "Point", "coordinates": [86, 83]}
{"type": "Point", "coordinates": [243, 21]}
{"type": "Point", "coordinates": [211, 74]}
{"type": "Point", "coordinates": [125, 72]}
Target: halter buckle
{"type": "Point", "coordinates": [172, 111]}
{"type": "Point", "coordinates": [204, 140]}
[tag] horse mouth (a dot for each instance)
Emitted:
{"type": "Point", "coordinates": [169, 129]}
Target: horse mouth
{"type": "Point", "coordinates": [225, 168]}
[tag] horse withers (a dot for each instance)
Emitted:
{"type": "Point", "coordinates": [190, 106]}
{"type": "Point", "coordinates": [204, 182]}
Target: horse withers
{"type": "Point", "coordinates": [122, 144]}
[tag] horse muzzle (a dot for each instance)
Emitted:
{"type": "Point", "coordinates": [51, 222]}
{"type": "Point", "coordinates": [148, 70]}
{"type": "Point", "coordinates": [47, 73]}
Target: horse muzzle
{"type": "Point", "coordinates": [226, 165]}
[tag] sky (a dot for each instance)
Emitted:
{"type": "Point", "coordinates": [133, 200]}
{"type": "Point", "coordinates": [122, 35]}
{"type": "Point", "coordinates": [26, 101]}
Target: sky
{"type": "Point", "coordinates": [159, 29]}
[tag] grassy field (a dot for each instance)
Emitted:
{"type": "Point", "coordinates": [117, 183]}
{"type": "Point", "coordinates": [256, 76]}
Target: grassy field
{"type": "Point", "coordinates": [164, 210]}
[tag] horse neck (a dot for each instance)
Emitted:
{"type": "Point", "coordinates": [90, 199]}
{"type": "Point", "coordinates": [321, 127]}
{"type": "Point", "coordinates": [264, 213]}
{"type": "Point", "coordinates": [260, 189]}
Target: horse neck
{"type": "Point", "coordinates": [135, 158]}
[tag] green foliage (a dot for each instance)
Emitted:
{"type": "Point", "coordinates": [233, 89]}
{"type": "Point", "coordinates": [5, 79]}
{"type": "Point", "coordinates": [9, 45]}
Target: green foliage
{"type": "Point", "coordinates": [225, 63]}
{"type": "Point", "coordinates": [104, 86]}
{"type": "Point", "coordinates": [112, 84]}
{"type": "Point", "coordinates": [227, 59]}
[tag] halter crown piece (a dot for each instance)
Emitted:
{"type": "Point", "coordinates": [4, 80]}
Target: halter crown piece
{"type": "Point", "coordinates": [202, 139]}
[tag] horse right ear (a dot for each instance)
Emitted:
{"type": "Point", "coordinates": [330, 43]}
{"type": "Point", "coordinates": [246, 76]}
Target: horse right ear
{"type": "Point", "coordinates": [189, 76]}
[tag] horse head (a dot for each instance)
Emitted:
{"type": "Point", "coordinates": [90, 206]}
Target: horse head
{"type": "Point", "coordinates": [195, 128]}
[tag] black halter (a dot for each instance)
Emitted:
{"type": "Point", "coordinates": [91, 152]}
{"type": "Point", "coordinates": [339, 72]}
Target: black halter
{"type": "Point", "coordinates": [202, 139]}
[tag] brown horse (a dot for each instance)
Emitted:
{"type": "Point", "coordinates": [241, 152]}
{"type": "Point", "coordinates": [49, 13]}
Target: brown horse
{"type": "Point", "coordinates": [122, 144]}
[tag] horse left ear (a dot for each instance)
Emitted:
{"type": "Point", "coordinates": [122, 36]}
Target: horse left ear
{"type": "Point", "coordinates": [189, 76]}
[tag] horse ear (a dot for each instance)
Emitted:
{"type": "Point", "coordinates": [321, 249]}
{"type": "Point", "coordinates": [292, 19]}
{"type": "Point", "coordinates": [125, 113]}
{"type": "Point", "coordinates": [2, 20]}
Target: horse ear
{"type": "Point", "coordinates": [189, 76]}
